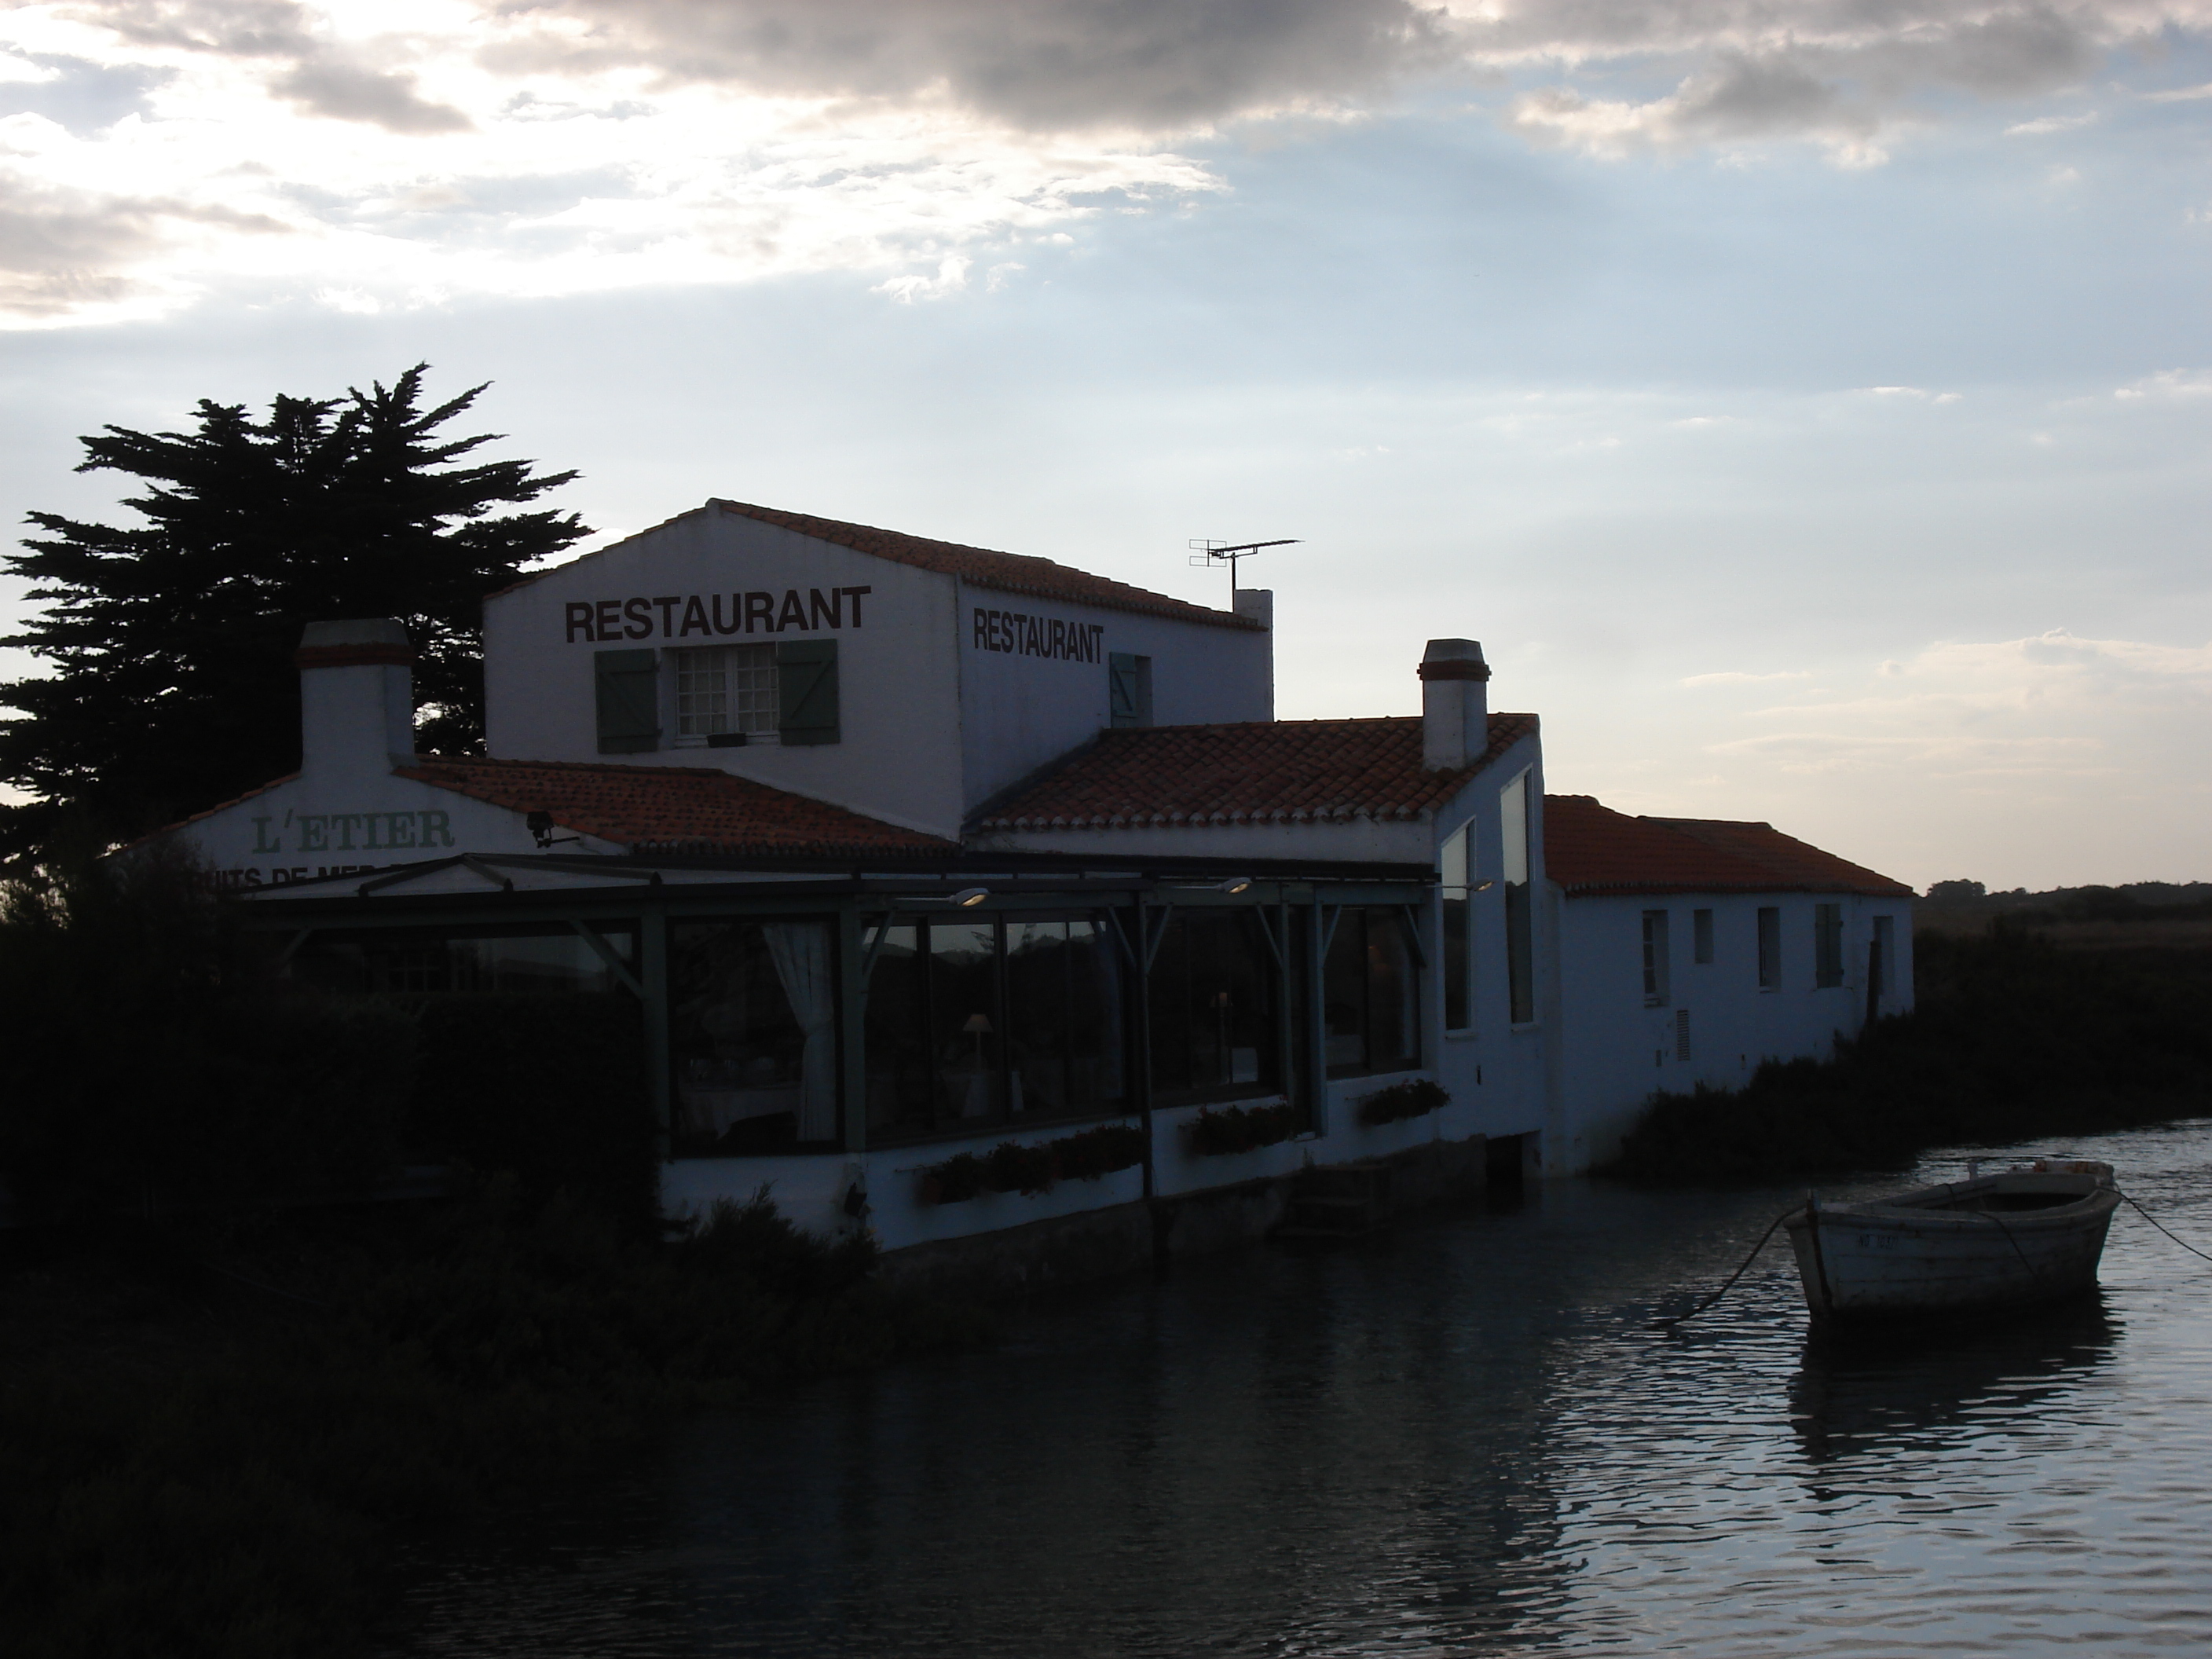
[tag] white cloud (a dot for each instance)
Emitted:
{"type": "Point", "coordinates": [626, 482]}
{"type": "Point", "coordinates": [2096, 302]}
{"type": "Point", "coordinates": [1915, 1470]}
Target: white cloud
{"type": "Point", "coordinates": [2046, 123]}
{"type": "Point", "coordinates": [2167, 383]}
{"type": "Point", "coordinates": [1734, 678]}
{"type": "Point", "coordinates": [2051, 707]}
{"type": "Point", "coordinates": [407, 149]}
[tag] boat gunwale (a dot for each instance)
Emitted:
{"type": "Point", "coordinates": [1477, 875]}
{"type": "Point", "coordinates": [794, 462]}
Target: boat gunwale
{"type": "Point", "coordinates": [1926, 1206]}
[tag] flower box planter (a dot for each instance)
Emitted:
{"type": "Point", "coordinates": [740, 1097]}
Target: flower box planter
{"type": "Point", "coordinates": [1242, 1128]}
{"type": "Point", "coordinates": [1415, 1098]}
{"type": "Point", "coordinates": [1012, 1167]}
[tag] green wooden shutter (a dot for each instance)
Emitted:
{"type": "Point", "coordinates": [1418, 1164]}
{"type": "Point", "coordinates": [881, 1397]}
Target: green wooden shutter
{"type": "Point", "coordinates": [627, 684]}
{"type": "Point", "coordinates": [806, 690]}
{"type": "Point", "coordinates": [1123, 691]}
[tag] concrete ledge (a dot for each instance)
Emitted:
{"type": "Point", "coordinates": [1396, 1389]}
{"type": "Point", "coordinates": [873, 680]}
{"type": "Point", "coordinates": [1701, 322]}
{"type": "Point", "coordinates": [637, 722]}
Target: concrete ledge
{"type": "Point", "coordinates": [1064, 1250]}
{"type": "Point", "coordinates": [1070, 1249]}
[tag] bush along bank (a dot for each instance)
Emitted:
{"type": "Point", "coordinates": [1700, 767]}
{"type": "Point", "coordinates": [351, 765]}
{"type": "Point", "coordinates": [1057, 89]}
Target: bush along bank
{"type": "Point", "coordinates": [211, 1441]}
{"type": "Point", "coordinates": [225, 1397]}
{"type": "Point", "coordinates": [2012, 1038]}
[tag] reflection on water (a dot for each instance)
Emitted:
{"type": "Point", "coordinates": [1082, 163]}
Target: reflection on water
{"type": "Point", "coordinates": [1856, 1391]}
{"type": "Point", "coordinates": [1463, 1438]}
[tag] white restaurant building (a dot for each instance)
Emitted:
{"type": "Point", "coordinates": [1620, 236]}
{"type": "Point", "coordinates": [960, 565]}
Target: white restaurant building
{"type": "Point", "coordinates": [909, 849]}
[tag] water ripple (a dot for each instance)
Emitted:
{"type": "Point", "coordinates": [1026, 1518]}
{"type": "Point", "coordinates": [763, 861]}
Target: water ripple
{"type": "Point", "coordinates": [1464, 1439]}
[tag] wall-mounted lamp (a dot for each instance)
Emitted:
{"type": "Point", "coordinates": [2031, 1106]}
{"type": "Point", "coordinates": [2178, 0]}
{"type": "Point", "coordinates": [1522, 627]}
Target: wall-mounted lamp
{"type": "Point", "coordinates": [1483, 886]}
{"type": "Point", "coordinates": [1236, 884]}
{"type": "Point", "coordinates": [541, 827]}
{"type": "Point", "coordinates": [966, 899]}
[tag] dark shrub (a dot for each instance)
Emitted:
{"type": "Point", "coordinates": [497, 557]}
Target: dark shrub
{"type": "Point", "coordinates": [551, 1088]}
{"type": "Point", "coordinates": [2011, 1038]}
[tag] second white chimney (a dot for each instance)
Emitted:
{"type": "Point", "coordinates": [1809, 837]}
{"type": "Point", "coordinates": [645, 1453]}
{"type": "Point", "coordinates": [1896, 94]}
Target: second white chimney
{"type": "Point", "coordinates": [1454, 704]}
{"type": "Point", "coordinates": [357, 700]}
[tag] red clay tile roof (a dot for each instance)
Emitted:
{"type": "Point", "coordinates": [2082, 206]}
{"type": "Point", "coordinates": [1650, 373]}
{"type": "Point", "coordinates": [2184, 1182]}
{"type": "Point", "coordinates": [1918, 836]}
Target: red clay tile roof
{"type": "Point", "coordinates": [672, 809]}
{"type": "Point", "coordinates": [1007, 573]}
{"type": "Point", "coordinates": [1592, 849]}
{"type": "Point", "coordinates": [1250, 772]}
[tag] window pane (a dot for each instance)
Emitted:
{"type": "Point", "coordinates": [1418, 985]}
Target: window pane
{"type": "Point", "coordinates": [1519, 919]}
{"type": "Point", "coordinates": [1770, 947]}
{"type": "Point", "coordinates": [752, 1036]}
{"type": "Point", "coordinates": [965, 1039]}
{"type": "Point", "coordinates": [1459, 950]}
{"type": "Point", "coordinates": [702, 693]}
{"type": "Point", "coordinates": [1215, 1032]}
{"type": "Point", "coordinates": [1094, 1021]}
{"type": "Point", "coordinates": [1394, 1043]}
{"type": "Point", "coordinates": [1344, 995]}
{"type": "Point", "coordinates": [1038, 1035]}
{"type": "Point", "coordinates": [1701, 935]}
{"type": "Point", "coordinates": [898, 1032]}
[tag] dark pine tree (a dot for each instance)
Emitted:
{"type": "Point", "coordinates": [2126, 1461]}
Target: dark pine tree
{"type": "Point", "coordinates": [172, 687]}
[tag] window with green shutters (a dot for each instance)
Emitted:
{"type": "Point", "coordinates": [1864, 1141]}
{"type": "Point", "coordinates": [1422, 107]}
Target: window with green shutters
{"type": "Point", "coordinates": [627, 685]}
{"type": "Point", "coordinates": [1129, 688]}
{"type": "Point", "coordinates": [806, 691]}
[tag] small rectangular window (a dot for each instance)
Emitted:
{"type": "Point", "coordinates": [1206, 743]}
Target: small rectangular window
{"type": "Point", "coordinates": [1654, 959]}
{"type": "Point", "coordinates": [725, 692]}
{"type": "Point", "coordinates": [1701, 937]}
{"type": "Point", "coordinates": [1129, 688]}
{"type": "Point", "coordinates": [626, 693]}
{"type": "Point", "coordinates": [1682, 1034]}
{"type": "Point", "coordinates": [1878, 964]}
{"type": "Point", "coordinates": [1827, 946]}
{"type": "Point", "coordinates": [1770, 947]}
{"type": "Point", "coordinates": [1458, 932]}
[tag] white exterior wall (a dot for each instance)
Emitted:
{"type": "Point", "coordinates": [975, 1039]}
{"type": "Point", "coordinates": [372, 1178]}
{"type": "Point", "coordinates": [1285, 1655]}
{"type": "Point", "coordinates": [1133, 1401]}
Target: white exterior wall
{"type": "Point", "coordinates": [932, 722]}
{"type": "Point", "coordinates": [1020, 712]}
{"type": "Point", "coordinates": [898, 754]}
{"type": "Point", "coordinates": [1618, 1051]}
{"type": "Point", "coordinates": [313, 826]}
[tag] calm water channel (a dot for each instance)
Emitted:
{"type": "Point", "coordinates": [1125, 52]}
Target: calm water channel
{"type": "Point", "coordinates": [1458, 1439]}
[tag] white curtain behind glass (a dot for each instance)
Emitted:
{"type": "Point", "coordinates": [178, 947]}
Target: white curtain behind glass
{"type": "Point", "coordinates": [800, 950]}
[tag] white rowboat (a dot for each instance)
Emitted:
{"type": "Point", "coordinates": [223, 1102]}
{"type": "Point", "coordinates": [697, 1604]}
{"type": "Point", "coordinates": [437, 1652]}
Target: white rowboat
{"type": "Point", "coordinates": [2032, 1233]}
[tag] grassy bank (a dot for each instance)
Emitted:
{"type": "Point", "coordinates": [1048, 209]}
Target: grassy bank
{"type": "Point", "coordinates": [212, 1437]}
{"type": "Point", "coordinates": [2014, 1038]}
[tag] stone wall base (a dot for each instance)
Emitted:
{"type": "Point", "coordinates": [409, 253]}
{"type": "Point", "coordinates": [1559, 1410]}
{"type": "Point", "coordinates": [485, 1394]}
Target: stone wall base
{"type": "Point", "coordinates": [1095, 1244]}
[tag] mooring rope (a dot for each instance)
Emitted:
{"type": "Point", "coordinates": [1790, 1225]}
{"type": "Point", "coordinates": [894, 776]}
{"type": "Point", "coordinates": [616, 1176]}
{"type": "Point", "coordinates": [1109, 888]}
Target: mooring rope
{"type": "Point", "coordinates": [2163, 1228]}
{"type": "Point", "coordinates": [1743, 1268]}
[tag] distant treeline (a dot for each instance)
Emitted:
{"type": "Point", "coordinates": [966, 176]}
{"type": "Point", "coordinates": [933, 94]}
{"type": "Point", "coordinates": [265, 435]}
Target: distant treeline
{"type": "Point", "coordinates": [2014, 1037]}
{"type": "Point", "coordinates": [2135, 901]}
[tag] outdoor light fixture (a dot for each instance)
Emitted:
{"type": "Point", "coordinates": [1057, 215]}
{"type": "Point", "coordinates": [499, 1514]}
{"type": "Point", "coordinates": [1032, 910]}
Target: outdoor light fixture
{"type": "Point", "coordinates": [1483, 886]}
{"type": "Point", "coordinates": [541, 827]}
{"type": "Point", "coordinates": [1236, 883]}
{"type": "Point", "coordinates": [966, 899]}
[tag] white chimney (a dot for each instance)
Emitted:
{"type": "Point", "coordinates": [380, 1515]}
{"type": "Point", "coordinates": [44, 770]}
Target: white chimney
{"type": "Point", "coordinates": [1256, 605]}
{"type": "Point", "coordinates": [357, 700]}
{"type": "Point", "coordinates": [1454, 704]}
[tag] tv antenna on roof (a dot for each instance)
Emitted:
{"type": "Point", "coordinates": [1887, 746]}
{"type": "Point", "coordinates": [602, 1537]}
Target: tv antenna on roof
{"type": "Point", "coordinates": [1210, 552]}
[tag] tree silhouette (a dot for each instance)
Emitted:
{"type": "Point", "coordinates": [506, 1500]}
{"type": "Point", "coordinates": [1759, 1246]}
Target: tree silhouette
{"type": "Point", "coordinates": [172, 686]}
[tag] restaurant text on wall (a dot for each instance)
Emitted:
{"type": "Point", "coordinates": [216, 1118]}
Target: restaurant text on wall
{"type": "Point", "coordinates": [1026, 635]}
{"type": "Point", "coordinates": [679, 616]}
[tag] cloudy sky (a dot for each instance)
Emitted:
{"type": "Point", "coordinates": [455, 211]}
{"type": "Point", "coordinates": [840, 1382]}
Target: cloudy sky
{"type": "Point", "coordinates": [1805, 401]}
